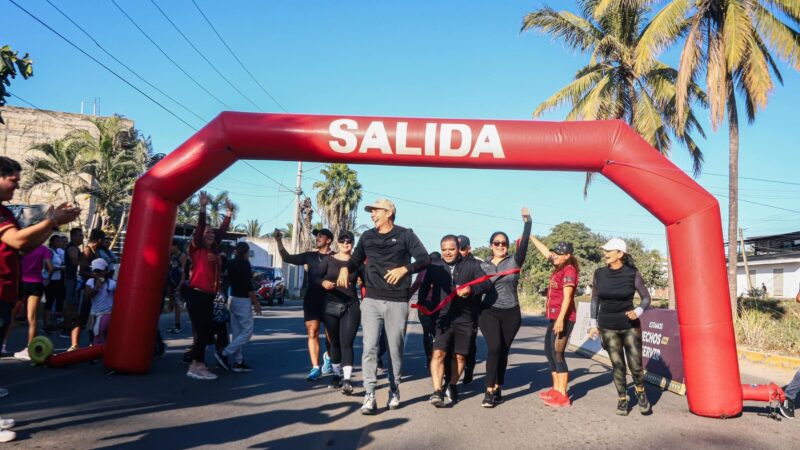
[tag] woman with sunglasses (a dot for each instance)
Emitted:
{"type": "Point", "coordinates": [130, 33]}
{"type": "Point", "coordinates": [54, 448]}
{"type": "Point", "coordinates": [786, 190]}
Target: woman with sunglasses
{"type": "Point", "coordinates": [500, 317]}
{"type": "Point", "coordinates": [619, 327]}
{"type": "Point", "coordinates": [342, 314]}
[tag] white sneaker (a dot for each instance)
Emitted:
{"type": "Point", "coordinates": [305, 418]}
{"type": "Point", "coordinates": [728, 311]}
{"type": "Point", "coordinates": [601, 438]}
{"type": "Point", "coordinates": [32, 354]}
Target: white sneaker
{"type": "Point", "coordinates": [23, 354]}
{"type": "Point", "coordinates": [7, 436]}
{"type": "Point", "coordinates": [370, 406]}
{"type": "Point", "coordinates": [7, 423]}
{"type": "Point", "coordinates": [3, 392]}
{"type": "Point", "coordinates": [394, 399]}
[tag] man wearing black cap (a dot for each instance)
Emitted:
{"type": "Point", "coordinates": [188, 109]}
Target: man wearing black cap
{"type": "Point", "coordinates": [465, 249]}
{"type": "Point", "coordinates": [314, 301]}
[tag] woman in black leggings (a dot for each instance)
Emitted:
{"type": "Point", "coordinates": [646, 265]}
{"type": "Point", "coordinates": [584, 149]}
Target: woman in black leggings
{"type": "Point", "coordinates": [615, 319]}
{"type": "Point", "coordinates": [560, 311]}
{"type": "Point", "coordinates": [500, 317]}
{"type": "Point", "coordinates": [342, 315]}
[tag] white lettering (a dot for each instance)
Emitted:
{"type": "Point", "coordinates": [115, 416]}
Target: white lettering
{"type": "Point", "coordinates": [375, 138]}
{"type": "Point", "coordinates": [430, 139]}
{"type": "Point", "coordinates": [402, 141]}
{"type": "Point", "coordinates": [650, 353]}
{"type": "Point", "coordinates": [488, 142]}
{"type": "Point", "coordinates": [338, 130]}
{"type": "Point", "coordinates": [446, 139]}
{"type": "Point", "coordinates": [651, 338]}
{"type": "Point", "coordinates": [657, 325]}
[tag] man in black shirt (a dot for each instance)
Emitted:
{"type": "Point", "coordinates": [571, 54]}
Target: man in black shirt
{"type": "Point", "coordinates": [387, 277]}
{"type": "Point", "coordinates": [465, 248]}
{"type": "Point", "coordinates": [456, 320]}
{"type": "Point", "coordinates": [314, 301]}
{"type": "Point", "coordinates": [243, 302]}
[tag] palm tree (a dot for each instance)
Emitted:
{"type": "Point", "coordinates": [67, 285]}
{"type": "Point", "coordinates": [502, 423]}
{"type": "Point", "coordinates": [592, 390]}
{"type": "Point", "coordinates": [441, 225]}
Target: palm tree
{"type": "Point", "coordinates": [188, 210]}
{"type": "Point", "coordinates": [735, 42]}
{"type": "Point", "coordinates": [61, 163]}
{"type": "Point", "coordinates": [338, 197]}
{"type": "Point", "coordinates": [253, 228]}
{"type": "Point", "coordinates": [217, 209]}
{"type": "Point", "coordinates": [623, 79]}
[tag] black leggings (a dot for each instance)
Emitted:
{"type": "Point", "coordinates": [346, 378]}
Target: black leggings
{"type": "Point", "coordinates": [342, 331]}
{"type": "Point", "coordinates": [428, 330]}
{"type": "Point", "coordinates": [499, 327]}
{"type": "Point", "coordinates": [554, 346]}
{"type": "Point", "coordinates": [630, 342]}
{"type": "Point", "coordinates": [201, 311]}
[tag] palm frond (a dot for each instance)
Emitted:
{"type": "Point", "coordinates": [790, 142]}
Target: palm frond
{"type": "Point", "coordinates": [789, 7]}
{"type": "Point", "coordinates": [585, 79]}
{"type": "Point", "coordinates": [736, 34]}
{"type": "Point", "coordinates": [689, 61]}
{"type": "Point", "coordinates": [662, 30]}
{"type": "Point", "coordinates": [575, 31]}
{"type": "Point", "coordinates": [782, 39]}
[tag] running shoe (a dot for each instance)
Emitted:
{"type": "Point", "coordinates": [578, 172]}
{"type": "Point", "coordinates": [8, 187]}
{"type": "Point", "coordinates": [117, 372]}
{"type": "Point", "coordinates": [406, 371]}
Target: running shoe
{"type": "Point", "coordinates": [201, 374]}
{"type": "Point", "coordinates": [787, 408]}
{"type": "Point", "coordinates": [347, 388]}
{"type": "Point", "coordinates": [241, 367]}
{"type": "Point", "coordinates": [622, 406]}
{"type": "Point", "coordinates": [488, 400]}
{"type": "Point", "coordinates": [72, 348]}
{"type": "Point", "coordinates": [222, 360]}
{"type": "Point", "coordinates": [437, 399]}
{"type": "Point", "coordinates": [644, 404]}
{"type": "Point", "coordinates": [558, 400]}
{"type": "Point", "coordinates": [22, 354]}
{"type": "Point", "coordinates": [314, 374]}
{"type": "Point", "coordinates": [394, 399]}
{"type": "Point", "coordinates": [370, 406]}
{"type": "Point", "coordinates": [452, 395]}
{"type": "Point", "coordinates": [7, 436]}
{"type": "Point", "coordinates": [544, 395]}
{"type": "Point", "coordinates": [7, 423]}
{"type": "Point", "coordinates": [327, 365]}
{"type": "Point", "coordinates": [336, 382]}
{"type": "Point", "coordinates": [498, 396]}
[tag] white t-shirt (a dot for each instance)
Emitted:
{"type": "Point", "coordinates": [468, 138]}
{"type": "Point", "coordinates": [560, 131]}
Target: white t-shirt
{"type": "Point", "coordinates": [103, 301]}
{"type": "Point", "coordinates": [58, 264]}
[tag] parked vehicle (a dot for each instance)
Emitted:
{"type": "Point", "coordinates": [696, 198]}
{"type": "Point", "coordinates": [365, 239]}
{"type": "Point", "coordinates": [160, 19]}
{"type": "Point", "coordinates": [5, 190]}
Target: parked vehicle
{"type": "Point", "coordinates": [269, 284]}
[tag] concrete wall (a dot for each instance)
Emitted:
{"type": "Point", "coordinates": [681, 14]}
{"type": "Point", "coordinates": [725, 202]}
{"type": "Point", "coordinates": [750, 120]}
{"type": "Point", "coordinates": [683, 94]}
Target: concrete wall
{"type": "Point", "coordinates": [766, 272]}
{"type": "Point", "coordinates": [26, 127]}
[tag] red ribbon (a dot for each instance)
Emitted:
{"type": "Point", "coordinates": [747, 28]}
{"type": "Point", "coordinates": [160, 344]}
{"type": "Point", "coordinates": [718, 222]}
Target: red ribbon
{"type": "Point", "coordinates": [453, 294]}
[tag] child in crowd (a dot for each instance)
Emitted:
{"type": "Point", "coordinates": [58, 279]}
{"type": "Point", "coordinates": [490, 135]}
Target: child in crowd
{"type": "Point", "coordinates": [100, 291]}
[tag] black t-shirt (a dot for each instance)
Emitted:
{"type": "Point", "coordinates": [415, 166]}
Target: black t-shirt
{"type": "Point", "coordinates": [612, 291]}
{"type": "Point", "coordinates": [312, 260]}
{"type": "Point", "coordinates": [240, 276]}
{"type": "Point", "coordinates": [442, 278]}
{"type": "Point", "coordinates": [329, 270]}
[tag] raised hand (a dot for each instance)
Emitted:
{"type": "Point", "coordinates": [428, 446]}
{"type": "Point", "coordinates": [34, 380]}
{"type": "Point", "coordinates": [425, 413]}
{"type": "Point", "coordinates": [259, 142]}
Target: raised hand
{"type": "Point", "coordinates": [64, 213]}
{"type": "Point", "coordinates": [229, 206]}
{"type": "Point", "coordinates": [526, 214]}
{"type": "Point", "coordinates": [203, 199]}
{"type": "Point", "coordinates": [277, 234]}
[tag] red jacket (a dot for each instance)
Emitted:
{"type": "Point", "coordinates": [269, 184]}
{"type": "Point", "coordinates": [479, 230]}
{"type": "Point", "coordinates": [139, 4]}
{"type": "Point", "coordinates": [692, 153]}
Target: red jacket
{"type": "Point", "coordinates": [206, 263]}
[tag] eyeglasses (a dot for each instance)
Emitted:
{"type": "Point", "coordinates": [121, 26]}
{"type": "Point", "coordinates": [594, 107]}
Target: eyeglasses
{"type": "Point", "coordinates": [345, 241]}
{"type": "Point", "coordinates": [500, 243]}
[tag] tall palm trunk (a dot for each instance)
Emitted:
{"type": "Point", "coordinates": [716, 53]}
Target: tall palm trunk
{"type": "Point", "coordinates": [733, 194]}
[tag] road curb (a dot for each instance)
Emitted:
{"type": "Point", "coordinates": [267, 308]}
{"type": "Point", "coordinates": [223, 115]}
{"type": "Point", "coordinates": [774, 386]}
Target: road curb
{"type": "Point", "coordinates": [776, 361]}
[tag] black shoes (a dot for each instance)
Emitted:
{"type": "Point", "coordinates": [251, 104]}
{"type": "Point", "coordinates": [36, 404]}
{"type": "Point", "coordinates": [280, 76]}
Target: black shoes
{"type": "Point", "coordinates": [336, 382]}
{"type": "Point", "coordinates": [451, 397]}
{"type": "Point", "coordinates": [787, 408]}
{"type": "Point", "coordinates": [622, 406]}
{"type": "Point", "coordinates": [489, 400]}
{"type": "Point", "coordinates": [241, 367]}
{"type": "Point", "coordinates": [644, 404]}
{"type": "Point", "coordinates": [437, 399]}
{"type": "Point", "coordinates": [498, 396]}
{"type": "Point", "coordinates": [347, 388]}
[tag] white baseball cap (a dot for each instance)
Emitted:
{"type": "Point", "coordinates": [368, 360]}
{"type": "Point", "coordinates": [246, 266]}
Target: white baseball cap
{"type": "Point", "coordinates": [616, 244]}
{"type": "Point", "coordinates": [99, 264]}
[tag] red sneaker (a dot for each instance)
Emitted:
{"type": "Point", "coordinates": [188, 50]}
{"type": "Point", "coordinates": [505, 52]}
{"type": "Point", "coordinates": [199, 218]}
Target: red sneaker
{"type": "Point", "coordinates": [544, 395]}
{"type": "Point", "coordinates": [558, 400]}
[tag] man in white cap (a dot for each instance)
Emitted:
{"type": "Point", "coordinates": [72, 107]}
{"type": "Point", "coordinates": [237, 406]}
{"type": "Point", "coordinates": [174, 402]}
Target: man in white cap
{"type": "Point", "coordinates": [387, 250]}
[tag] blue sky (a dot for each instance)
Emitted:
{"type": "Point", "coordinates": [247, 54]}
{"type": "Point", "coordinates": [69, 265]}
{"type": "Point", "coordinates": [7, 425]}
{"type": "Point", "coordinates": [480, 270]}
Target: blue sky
{"type": "Point", "coordinates": [410, 59]}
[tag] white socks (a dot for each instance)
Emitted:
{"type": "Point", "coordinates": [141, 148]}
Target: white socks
{"type": "Point", "coordinates": [348, 370]}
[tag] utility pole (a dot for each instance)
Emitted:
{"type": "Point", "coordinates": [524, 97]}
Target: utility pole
{"type": "Point", "coordinates": [296, 284]}
{"type": "Point", "coordinates": [744, 258]}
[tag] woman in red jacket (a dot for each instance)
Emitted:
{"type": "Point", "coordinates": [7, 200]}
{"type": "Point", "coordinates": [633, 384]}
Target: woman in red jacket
{"type": "Point", "coordinates": [204, 283]}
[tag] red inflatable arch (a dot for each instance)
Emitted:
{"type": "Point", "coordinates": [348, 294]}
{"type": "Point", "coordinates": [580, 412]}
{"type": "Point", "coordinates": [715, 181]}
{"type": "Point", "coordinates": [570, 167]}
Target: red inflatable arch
{"type": "Point", "coordinates": [690, 213]}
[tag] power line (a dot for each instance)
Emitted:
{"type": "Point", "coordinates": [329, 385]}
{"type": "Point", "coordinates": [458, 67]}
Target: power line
{"type": "Point", "coordinates": [755, 179]}
{"type": "Point", "coordinates": [168, 57]}
{"type": "Point", "coordinates": [101, 64]}
{"type": "Point", "coordinates": [49, 113]}
{"type": "Point", "coordinates": [263, 89]}
{"type": "Point", "coordinates": [188, 41]}
{"type": "Point", "coordinates": [268, 177]}
{"type": "Point", "coordinates": [123, 64]}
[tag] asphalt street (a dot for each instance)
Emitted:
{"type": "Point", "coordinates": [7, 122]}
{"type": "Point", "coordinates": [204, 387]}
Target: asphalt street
{"type": "Point", "coordinates": [274, 407]}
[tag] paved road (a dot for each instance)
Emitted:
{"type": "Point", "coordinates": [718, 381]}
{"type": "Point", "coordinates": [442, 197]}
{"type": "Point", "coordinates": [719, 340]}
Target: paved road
{"type": "Point", "coordinates": [273, 407]}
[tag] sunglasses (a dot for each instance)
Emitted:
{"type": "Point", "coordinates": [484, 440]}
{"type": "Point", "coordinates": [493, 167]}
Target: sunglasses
{"type": "Point", "coordinates": [345, 241]}
{"type": "Point", "coordinates": [500, 243]}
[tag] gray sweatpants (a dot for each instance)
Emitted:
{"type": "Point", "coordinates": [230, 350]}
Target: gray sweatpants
{"type": "Point", "coordinates": [392, 316]}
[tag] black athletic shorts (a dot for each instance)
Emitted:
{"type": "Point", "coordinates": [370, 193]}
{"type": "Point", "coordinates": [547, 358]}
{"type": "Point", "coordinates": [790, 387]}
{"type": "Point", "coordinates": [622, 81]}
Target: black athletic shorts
{"type": "Point", "coordinates": [313, 309]}
{"type": "Point", "coordinates": [455, 334]}
{"type": "Point", "coordinates": [29, 289]}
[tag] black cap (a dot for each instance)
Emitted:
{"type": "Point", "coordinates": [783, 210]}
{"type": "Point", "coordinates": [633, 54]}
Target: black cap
{"type": "Point", "coordinates": [324, 232]}
{"type": "Point", "coordinates": [347, 235]}
{"type": "Point", "coordinates": [463, 242]}
{"type": "Point", "coordinates": [562, 248]}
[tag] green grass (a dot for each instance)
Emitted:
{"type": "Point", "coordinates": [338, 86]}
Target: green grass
{"type": "Point", "coordinates": [769, 325]}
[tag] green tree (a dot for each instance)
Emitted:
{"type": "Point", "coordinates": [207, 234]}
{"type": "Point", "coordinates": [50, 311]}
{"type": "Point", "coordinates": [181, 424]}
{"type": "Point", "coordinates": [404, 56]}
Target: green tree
{"type": "Point", "coordinates": [735, 43]}
{"type": "Point", "coordinates": [623, 79]}
{"type": "Point", "coordinates": [216, 208]}
{"type": "Point", "coordinates": [338, 197]}
{"type": "Point", "coordinates": [189, 210]}
{"type": "Point", "coordinates": [253, 228]}
{"type": "Point", "coordinates": [10, 65]}
{"type": "Point", "coordinates": [61, 163]}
